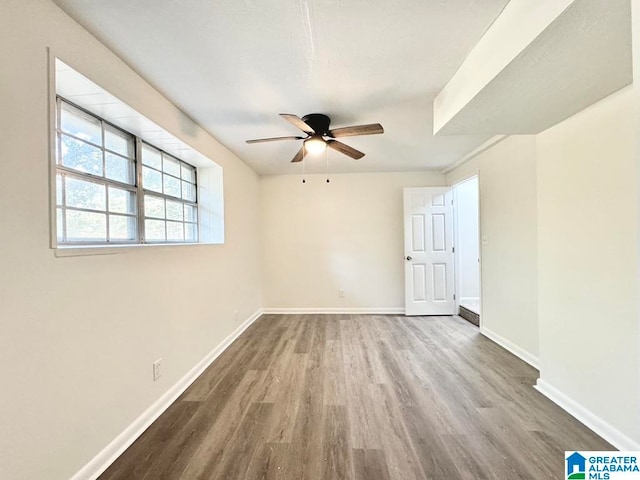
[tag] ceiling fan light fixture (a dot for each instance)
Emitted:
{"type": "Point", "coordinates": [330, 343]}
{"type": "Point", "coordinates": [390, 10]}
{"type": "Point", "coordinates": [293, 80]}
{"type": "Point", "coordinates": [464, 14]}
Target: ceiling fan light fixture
{"type": "Point", "coordinates": [315, 144]}
{"type": "Point", "coordinates": [316, 127]}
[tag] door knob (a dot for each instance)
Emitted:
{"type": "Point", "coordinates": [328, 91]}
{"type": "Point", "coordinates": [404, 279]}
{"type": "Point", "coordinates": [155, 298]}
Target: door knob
{"type": "Point", "coordinates": [408, 258]}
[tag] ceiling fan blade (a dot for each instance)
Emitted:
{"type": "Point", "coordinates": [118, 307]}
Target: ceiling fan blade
{"type": "Point", "coordinates": [370, 129]}
{"type": "Point", "coordinates": [346, 149]}
{"type": "Point", "coordinates": [298, 122]}
{"type": "Point", "coordinates": [274, 139]}
{"type": "Point", "coordinates": [300, 155]}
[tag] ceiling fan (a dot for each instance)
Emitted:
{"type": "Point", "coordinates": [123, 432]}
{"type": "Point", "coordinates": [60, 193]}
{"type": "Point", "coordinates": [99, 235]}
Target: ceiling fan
{"type": "Point", "coordinates": [319, 137]}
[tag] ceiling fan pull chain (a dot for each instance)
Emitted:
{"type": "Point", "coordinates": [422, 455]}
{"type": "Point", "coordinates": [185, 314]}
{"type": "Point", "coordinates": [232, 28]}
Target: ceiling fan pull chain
{"type": "Point", "coordinates": [326, 157]}
{"type": "Point", "coordinates": [303, 162]}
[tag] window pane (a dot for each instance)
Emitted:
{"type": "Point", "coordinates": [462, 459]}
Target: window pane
{"type": "Point", "coordinates": [151, 180]}
{"type": "Point", "coordinates": [175, 232]}
{"type": "Point", "coordinates": [122, 228]}
{"type": "Point", "coordinates": [188, 173]}
{"type": "Point", "coordinates": [83, 194]}
{"type": "Point", "coordinates": [105, 209]}
{"type": "Point", "coordinates": [83, 226]}
{"type": "Point", "coordinates": [121, 201]}
{"type": "Point", "coordinates": [153, 206]}
{"type": "Point", "coordinates": [118, 141]}
{"type": "Point", "coordinates": [59, 225]}
{"type": "Point", "coordinates": [188, 192]}
{"type": "Point", "coordinates": [171, 166]}
{"type": "Point", "coordinates": [81, 156]}
{"type": "Point", "coordinates": [151, 157]}
{"type": "Point", "coordinates": [80, 124]}
{"type": "Point", "coordinates": [190, 213]}
{"type": "Point", "coordinates": [171, 186]}
{"type": "Point", "coordinates": [190, 232]}
{"type": "Point", "coordinates": [154, 230]}
{"type": "Point", "coordinates": [119, 169]}
{"type": "Point", "coordinates": [174, 210]}
{"type": "Point", "coordinates": [58, 189]}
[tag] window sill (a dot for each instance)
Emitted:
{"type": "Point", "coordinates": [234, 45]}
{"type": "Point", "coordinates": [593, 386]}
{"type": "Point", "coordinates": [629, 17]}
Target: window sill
{"type": "Point", "coordinates": [88, 250]}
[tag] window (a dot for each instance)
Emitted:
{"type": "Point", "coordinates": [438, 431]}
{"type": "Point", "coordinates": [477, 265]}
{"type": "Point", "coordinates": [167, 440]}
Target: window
{"type": "Point", "coordinates": [169, 186]}
{"type": "Point", "coordinates": [113, 188]}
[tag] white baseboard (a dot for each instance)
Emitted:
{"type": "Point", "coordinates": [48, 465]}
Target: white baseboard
{"type": "Point", "coordinates": [118, 445]}
{"type": "Point", "coordinates": [611, 434]}
{"type": "Point", "coordinates": [511, 347]}
{"type": "Point", "coordinates": [330, 311]}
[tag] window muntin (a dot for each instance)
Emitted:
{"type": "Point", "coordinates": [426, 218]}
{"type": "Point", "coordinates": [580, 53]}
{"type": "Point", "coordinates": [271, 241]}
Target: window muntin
{"type": "Point", "coordinates": [98, 186]}
{"type": "Point", "coordinates": [170, 208]}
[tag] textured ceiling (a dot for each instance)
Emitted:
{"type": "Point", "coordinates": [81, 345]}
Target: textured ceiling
{"type": "Point", "coordinates": [233, 65]}
{"type": "Point", "coordinates": [581, 57]}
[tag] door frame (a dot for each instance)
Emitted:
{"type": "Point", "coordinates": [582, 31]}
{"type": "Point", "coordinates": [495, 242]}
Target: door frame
{"type": "Point", "coordinates": [456, 253]}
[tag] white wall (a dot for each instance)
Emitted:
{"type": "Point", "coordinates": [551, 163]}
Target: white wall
{"type": "Point", "coordinates": [588, 260]}
{"type": "Point", "coordinates": [560, 278]}
{"type": "Point", "coordinates": [78, 335]}
{"type": "Point", "coordinates": [508, 224]}
{"type": "Point", "coordinates": [319, 238]}
{"type": "Point", "coordinates": [467, 239]}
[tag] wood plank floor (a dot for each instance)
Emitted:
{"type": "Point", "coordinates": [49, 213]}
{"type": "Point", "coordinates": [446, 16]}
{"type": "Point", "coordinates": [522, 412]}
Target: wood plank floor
{"type": "Point", "coordinates": [362, 397]}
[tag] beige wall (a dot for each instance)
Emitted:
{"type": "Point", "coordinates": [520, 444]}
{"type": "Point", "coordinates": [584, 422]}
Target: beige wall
{"type": "Point", "coordinates": [560, 267]}
{"type": "Point", "coordinates": [588, 261]}
{"type": "Point", "coordinates": [319, 238]}
{"type": "Point", "coordinates": [78, 335]}
{"type": "Point", "coordinates": [508, 224]}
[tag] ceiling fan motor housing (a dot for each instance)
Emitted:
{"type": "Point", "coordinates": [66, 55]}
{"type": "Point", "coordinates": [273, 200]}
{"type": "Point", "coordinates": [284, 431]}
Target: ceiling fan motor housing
{"type": "Point", "coordinates": [319, 122]}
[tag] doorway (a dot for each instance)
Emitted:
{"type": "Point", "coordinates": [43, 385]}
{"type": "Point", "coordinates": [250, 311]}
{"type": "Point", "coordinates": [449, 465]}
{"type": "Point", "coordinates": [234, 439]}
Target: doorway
{"type": "Point", "coordinates": [467, 252]}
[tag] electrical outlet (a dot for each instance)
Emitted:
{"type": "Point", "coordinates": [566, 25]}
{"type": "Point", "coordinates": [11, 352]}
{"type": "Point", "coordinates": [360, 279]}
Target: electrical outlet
{"type": "Point", "coordinates": [157, 373]}
{"type": "Point", "coordinates": [341, 293]}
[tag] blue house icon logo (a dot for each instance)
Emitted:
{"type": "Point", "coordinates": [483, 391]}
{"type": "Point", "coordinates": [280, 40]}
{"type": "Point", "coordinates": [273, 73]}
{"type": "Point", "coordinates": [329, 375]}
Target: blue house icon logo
{"type": "Point", "coordinates": [576, 466]}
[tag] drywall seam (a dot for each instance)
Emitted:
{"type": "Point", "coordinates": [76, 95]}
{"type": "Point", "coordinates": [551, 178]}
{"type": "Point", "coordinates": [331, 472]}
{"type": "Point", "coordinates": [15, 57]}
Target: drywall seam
{"type": "Point", "coordinates": [492, 142]}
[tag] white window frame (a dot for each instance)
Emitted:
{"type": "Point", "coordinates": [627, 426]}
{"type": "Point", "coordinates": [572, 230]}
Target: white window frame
{"type": "Point", "coordinates": [143, 217]}
{"type": "Point", "coordinates": [137, 187]}
{"type": "Point", "coordinates": [67, 82]}
{"type": "Point", "coordinates": [65, 171]}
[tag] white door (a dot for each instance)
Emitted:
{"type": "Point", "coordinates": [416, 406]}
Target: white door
{"type": "Point", "coordinates": [428, 251]}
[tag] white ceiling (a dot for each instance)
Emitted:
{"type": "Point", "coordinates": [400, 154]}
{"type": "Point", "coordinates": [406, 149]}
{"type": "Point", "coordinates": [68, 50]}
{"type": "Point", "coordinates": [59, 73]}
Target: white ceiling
{"type": "Point", "coordinates": [581, 57]}
{"type": "Point", "coordinates": [233, 65]}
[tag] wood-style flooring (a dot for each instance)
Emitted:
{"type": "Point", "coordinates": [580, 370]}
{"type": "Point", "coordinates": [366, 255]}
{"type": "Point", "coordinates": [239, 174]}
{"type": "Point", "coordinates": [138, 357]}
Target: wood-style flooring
{"type": "Point", "coordinates": [362, 397]}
